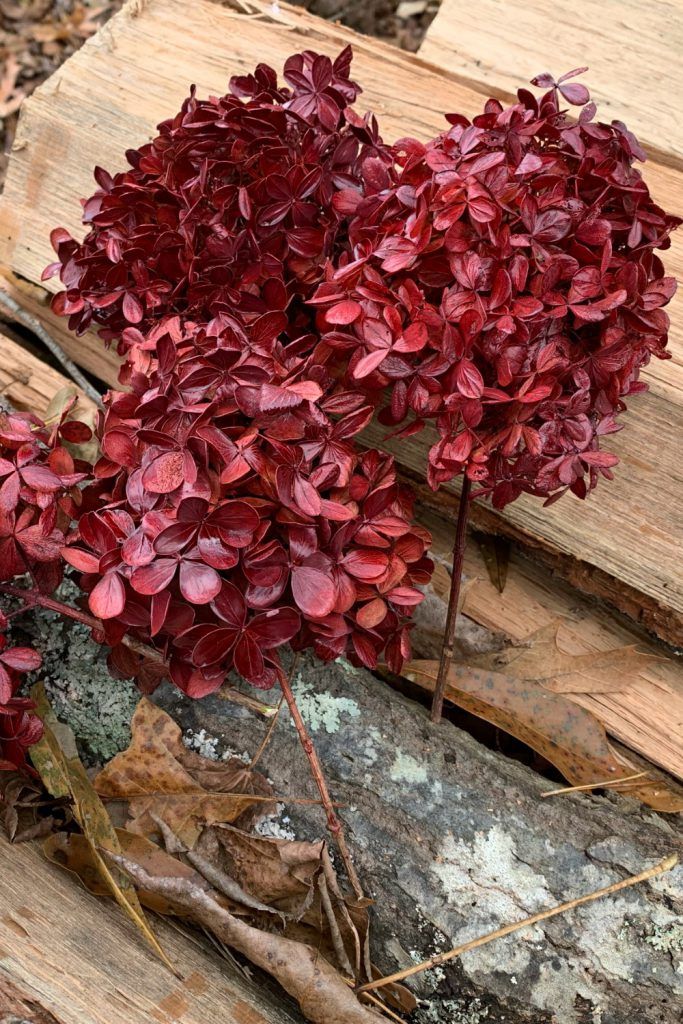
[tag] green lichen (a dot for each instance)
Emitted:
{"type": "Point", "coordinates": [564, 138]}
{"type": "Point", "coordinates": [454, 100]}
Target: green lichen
{"type": "Point", "coordinates": [667, 938]}
{"type": "Point", "coordinates": [407, 769]}
{"type": "Point", "coordinates": [455, 1011]}
{"type": "Point", "coordinates": [83, 694]}
{"type": "Point", "coordinates": [321, 710]}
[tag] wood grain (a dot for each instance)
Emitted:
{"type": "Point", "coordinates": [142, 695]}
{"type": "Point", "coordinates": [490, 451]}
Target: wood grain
{"type": "Point", "coordinates": [27, 383]}
{"type": "Point", "coordinates": [632, 51]}
{"type": "Point", "coordinates": [74, 959]}
{"type": "Point", "coordinates": [136, 71]}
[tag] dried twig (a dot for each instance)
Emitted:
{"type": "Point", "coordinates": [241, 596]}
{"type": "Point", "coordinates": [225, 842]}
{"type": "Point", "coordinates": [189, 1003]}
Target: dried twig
{"type": "Point", "coordinates": [54, 347]}
{"type": "Point", "coordinates": [441, 958]}
{"type": "Point", "coordinates": [271, 728]}
{"type": "Point", "coordinates": [594, 785]}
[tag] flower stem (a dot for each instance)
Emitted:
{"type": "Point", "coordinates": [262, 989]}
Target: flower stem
{"type": "Point", "coordinates": [333, 823]}
{"type": "Point", "coordinates": [452, 614]}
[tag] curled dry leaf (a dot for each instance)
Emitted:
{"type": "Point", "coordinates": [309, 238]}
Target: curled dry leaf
{"type": "Point", "coordinates": [159, 777]}
{"type": "Point", "coordinates": [569, 736]}
{"type": "Point", "coordinates": [322, 994]}
{"type": "Point", "coordinates": [168, 886]}
{"type": "Point", "coordinates": [56, 759]}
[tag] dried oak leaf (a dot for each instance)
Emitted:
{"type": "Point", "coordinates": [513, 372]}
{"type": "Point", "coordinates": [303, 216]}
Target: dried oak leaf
{"type": "Point", "coordinates": [56, 760]}
{"type": "Point", "coordinates": [159, 777]}
{"type": "Point", "coordinates": [569, 736]}
{"type": "Point", "coordinates": [168, 886]}
{"type": "Point", "coordinates": [538, 657]}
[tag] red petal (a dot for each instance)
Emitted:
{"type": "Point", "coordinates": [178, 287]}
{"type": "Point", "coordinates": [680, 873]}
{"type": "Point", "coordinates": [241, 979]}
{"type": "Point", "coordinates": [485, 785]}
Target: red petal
{"type": "Point", "coordinates": [23, 659]}
{"type": "Point", "coordinates": [199, 583]}
{"type": "Point", "coordinates": [153, 578]}
{"type": "Point", "coordinates": [108, 599]}
{"type": "Point", "coordinates": [365, 563]}
{"type": "Point", "coordinates": [313, 591]}
{"type": "Point", "coordinates": [165, 473]}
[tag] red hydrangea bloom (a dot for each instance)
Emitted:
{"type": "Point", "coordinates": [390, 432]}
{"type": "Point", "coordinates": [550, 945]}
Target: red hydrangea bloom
{"type": "Point", "coordinates": [39, 497]}
{"type": "Point", "coordinates": [505, 286]}
{"type": "Point", "coordinates": [39, 494]}
{"type": "Point", "coordinates": [232, 512]}
{"type": "Point", "coordinates": [19, 727]}
{"type": "Point", "coordinates": [230, 209]}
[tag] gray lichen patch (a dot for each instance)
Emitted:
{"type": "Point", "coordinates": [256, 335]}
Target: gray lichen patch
{"type": "Point", "coordinates": [322, 710]}
{"type": "Point", "coordinates": [83, 694]}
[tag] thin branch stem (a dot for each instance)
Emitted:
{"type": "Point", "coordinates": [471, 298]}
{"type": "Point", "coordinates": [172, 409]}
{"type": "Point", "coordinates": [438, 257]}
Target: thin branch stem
{"type": "Point", "coordinates": [271, 728]}
{"type": "Point", "coordinates": [452, 614]}
{"type": "Point", "coordinates": [33, 597]}
{"type": "Point", "coordinates": [441, 958]}
{"type": "Point", "coordinates": [333, 823]}
{"type": "Point", "coordinates": [54, 347]}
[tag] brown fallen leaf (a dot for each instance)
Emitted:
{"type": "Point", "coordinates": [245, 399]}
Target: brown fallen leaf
{"type": "Point", "coordinates": [569, 736]}
{"type": "Point", "coordinates": [56, 760]}
{"type": "Point", "coordinates": [322, 994]}
{"type": "Point", "coordinates": [538, 657]}
{"type": "Point", "coordinates": [28, 812]}
{"type": "Point", "coordinates": [167, 885]}
{"type": "Point", "coordinates": [159, 777]}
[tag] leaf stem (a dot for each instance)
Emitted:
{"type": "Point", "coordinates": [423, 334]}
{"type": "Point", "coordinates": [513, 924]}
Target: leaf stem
{"type": "Point", "coordinates": [441, 958]}
{"type": "Point", "coordinates": [452, 614]}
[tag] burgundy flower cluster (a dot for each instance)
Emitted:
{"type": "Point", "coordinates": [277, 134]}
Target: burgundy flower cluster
{"type": "Point", "coordinates": [505, 286]}
{"type": "Point", "coordinates": [232, 511]}
{"type": "Point", "coordinates": [232, 514]}
{"type": "Point", "coordinates": [39, 497]}
{"type": "Point", "coordinates": [229, 209]}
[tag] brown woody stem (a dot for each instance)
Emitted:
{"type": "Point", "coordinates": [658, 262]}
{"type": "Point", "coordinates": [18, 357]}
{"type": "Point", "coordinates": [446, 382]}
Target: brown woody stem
{"type": "Point", "coordinates": [333, 823]}
{"type": "Point", "coordinates": [440, 958]}
{"type": "Point", "coordinates": [33, 597]}
{"type": "Point", "coordinates": [452, 614]}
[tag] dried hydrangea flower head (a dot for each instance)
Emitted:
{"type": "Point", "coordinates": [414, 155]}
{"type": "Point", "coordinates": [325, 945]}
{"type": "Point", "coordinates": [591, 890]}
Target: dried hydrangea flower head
{"type": "Point", "coordinates": [506, 286]}
{"type": "Point", "coordinates": [39, 498]}
{"type": "Point", "coordinates": [233, 511]}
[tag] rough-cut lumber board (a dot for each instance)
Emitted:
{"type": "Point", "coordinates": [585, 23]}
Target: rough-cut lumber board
{"type": "Point", "coordinates": [73, 959]}
{"type": "Point", "coordinates": [632, 50]}
{"type": "Point", "coordinates": [645, 712]}
{"type": "Point", "coordinates": [90, 354]}
{"type": "Point", "coordinates": [27, 383]}
{"type": "Point", "coordinates": [452, 840]}
{"type": "Point", "coordinates": [135, 72]}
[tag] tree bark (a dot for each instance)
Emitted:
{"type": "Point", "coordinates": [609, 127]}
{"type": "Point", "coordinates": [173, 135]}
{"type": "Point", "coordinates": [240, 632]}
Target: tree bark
{"type": "Point", "coordinates": [452, 840]}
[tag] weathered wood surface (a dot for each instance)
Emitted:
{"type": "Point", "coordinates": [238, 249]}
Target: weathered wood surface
{"type": "Point", "coordinates": [73, 959]}
{"type": "Point", "coordinates": [27, 383]}
{"type": "Point", "coordinates": [632, 50]}
{"type": "Point", "coordinates": [136, 71]}
{"type": "Point", "coordinates": [454, 840]}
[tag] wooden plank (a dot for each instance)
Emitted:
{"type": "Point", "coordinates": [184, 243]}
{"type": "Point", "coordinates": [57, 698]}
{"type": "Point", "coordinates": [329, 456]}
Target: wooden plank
{"type": "Point", "coordinates": [27, 383]}
{"type": "Point", "coordinates": [645, 713]}
{"type": "Point", "coordinates": [632, 51]}
{"type": "Point", "coordinates": [75, 959]}
{"type": "Point", "coordinates": [135, 72]}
